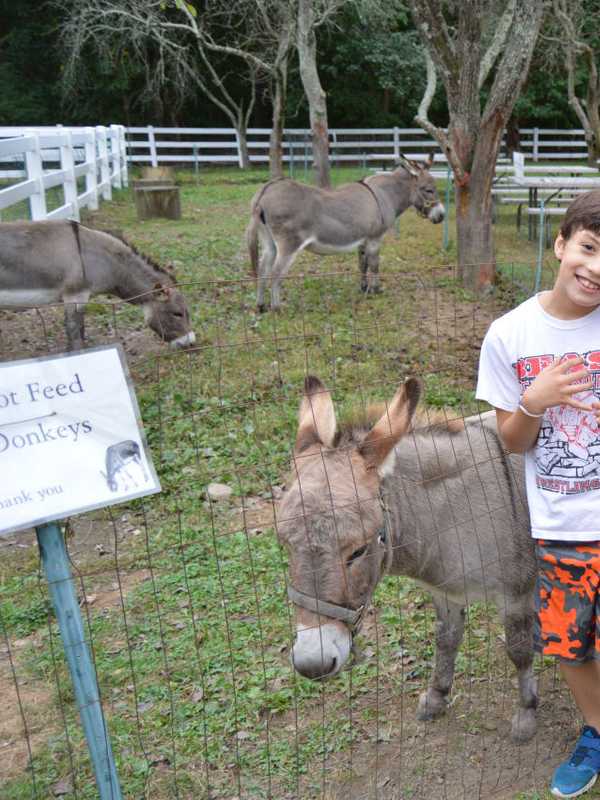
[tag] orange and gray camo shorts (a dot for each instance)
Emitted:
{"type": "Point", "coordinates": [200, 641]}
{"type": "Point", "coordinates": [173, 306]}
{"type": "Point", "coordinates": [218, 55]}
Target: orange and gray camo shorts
{"type": "Point", "coordinates": [567, 600]}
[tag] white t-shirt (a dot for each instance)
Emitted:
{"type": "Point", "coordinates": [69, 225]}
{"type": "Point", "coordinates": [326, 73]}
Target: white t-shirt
{"type": "Point", "coordinates": [563, 469]}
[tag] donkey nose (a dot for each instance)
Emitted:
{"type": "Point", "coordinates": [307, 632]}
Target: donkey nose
{"type": "Point", "coordinates": [321, 651]}
{"type": "Point", "coordinates": [437, 213]}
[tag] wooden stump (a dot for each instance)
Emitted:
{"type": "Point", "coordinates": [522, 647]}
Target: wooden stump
{"type": "Point", "coordinates": [157, 198]}
{"type": "Point", "coordinates": [158, 174]}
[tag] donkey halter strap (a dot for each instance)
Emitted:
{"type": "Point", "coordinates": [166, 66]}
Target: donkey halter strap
{"type": "Point", "coordinates": [349, 615]}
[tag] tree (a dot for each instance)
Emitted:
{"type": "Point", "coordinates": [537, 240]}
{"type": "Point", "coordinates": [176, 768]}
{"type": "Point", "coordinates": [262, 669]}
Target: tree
{"type": "Point", "coordinates": [471, 48]}
{"type": "Point", "coordinates": [578, 42]}
{"type": "Point", "coordinates": [311, 15]}
{"type": "Point", "coordinates": [165, 38]}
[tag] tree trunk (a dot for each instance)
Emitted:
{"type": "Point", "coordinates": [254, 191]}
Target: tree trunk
{"type": "Point", "coordinates": [242, 136]}
{"type": "Point", "coordinates": [279, 102]}
{"type": "Point", "coordinates": [475, 238]}
{"type": "Point", "coordinates": [592, 131]}
{"type": "Point", "coordinates": [317, 103]}
{"type": "Point", "coordinates": [474, 230]}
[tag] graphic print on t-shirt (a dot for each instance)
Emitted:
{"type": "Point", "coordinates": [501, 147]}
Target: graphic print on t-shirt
{"type": "Point", "coordinates": [567, 453]}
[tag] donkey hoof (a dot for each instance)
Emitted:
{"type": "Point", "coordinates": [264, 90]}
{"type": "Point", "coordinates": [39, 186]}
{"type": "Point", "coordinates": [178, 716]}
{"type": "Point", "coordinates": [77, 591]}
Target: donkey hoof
{"type": "Point", "coordinates": [432, 705]}
{"type": "Point", "coordinates": [261, 308]}
{"type": "Point", "coordinates": [524, 725]}
{"type": "Point", "coordinates": [373, 290]}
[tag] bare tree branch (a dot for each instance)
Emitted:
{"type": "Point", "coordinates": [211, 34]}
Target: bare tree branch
{"type": "Point", "coordinates": [498, 42]}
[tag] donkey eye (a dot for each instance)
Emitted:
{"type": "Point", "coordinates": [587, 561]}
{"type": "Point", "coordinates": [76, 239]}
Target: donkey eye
{"type": "Point", "coordinates": [357, 554]}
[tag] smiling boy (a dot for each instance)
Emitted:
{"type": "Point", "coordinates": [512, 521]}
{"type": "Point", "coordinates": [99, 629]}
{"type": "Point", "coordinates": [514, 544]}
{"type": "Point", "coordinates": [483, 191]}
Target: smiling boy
{"type": "Point", "coordinates": [540, 369]}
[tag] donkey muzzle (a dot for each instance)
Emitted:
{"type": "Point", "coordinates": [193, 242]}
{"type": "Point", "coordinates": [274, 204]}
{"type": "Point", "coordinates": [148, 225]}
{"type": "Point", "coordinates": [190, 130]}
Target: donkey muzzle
{"type": "Point", "coordinates": [437, 213]}
{"type": "Point", "coordinates": [321, 651]}
{"type": "Point", "coordinates": [187, 340]}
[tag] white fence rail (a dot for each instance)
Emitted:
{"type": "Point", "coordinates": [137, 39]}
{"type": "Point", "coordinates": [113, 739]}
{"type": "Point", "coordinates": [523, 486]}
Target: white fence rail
{"type": "Point", "coordinates": [38, 159]}
{"type": "Point", "coordinates": [162, 146]}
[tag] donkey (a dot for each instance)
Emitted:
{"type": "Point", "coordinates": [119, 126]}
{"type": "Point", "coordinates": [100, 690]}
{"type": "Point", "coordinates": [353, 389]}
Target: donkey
{"type": "Point", "coordinates": [288, 217]}
{"type": "Point", "coordinates": [64, 262]}
{"type": "Point", "coordinates": [442, 504]}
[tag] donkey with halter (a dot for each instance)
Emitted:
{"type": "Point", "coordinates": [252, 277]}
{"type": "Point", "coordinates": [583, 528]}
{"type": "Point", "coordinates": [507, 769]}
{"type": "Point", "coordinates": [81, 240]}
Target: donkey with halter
{"type": "Point", "coordinates": [288, 217]}
{"type": "Point", "coordinates": [64, 262]}
{"type": "Point", "coordinates": [442, 504]}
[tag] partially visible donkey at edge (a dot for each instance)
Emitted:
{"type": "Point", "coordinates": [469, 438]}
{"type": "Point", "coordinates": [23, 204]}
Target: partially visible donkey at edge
{"type": "Point", "coordinates": [443, 504]}
{"type": "Point", "coordinates": [64, 262]}
{"type": "Point", "coordinates": [288, 217]}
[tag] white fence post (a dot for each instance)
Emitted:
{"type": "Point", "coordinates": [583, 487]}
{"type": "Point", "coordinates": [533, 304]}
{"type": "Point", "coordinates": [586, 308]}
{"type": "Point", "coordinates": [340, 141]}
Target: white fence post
{"type": "Point", "coordinates": [91, 175]}
{"type": "Point", "coordinates": [103, 159]}
{"type": "Point", "coordinates": [396, 144]}
{"type": "Point", "coordinates": [152, 143]}
{"type": "Point", "coordinates": [536, 143]}
{"type": "Point", "coordinates": [35, 171]}
{"type": "Point", "coordinates": [67, 163]}
{"type": "Point", "coordinates": [115, 157]}
{"type": "Point", "coordinates": [123, 162]}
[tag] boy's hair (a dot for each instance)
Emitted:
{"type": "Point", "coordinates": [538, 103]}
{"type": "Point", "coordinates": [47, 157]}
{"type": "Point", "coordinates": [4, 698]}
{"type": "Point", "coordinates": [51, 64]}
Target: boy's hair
{"type": "Point", "coordinates": [582, 214]}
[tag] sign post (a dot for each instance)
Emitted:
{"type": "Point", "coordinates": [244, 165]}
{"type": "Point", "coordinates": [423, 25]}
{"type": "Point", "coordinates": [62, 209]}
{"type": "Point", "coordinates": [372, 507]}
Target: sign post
{"type": "Point", "coordinates": [71, 440]}
{"type": "Point", "coordinates": [60, 582]}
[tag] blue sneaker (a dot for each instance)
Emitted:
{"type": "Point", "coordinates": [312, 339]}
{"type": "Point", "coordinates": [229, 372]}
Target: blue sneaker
{"type": "Point", "coordinates": [579, 773]}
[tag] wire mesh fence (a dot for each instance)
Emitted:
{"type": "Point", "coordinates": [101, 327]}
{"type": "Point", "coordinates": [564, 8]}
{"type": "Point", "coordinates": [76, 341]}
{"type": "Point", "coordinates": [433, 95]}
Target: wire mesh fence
{"type": "Point", "coordinates": [184, 594]}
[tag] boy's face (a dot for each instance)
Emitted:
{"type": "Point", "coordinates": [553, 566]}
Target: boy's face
{"type": "Point", "coordinates": [576, 291]}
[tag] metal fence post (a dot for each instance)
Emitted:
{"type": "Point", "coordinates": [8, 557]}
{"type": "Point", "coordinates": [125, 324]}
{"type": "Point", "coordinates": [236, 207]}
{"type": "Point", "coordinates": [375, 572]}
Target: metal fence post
{"type": "Point", "coordinates": [35, 171]}
{"type": "Point", "coordinates": [60, 581]}
{"type": "Point", "coordinates": [446, 223]}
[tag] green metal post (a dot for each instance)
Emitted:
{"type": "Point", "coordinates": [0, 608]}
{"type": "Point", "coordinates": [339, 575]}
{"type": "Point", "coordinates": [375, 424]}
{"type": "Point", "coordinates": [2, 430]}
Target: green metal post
{"type": "Point", "coordinates": [447, 214]}
{"type": "Point", "coordinates": [291, 156]}
{"type": "Point", "coordinates": [60, 581]}
{"type": "Point", "coordinates": [538, 269]}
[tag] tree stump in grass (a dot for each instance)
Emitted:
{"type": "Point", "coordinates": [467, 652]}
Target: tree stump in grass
{"type": "Point", "coordinates": [156, 198]}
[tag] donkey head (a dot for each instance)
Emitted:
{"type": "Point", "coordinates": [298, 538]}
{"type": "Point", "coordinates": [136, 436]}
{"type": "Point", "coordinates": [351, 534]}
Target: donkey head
{"type": "Point", "coordinates": [167, 314]}
{"type": "Point", "coordinates": [423, 194]}
{"type": "Point", "coordinates": [332, 522]}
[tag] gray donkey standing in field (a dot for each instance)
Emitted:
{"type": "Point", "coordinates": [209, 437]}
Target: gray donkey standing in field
{"type": "Point", "coordinates": [288, 217]}
{"type": "Point", "coordinates": [443, 504]}
{"type": "Point", "coordinates": [64, 262]}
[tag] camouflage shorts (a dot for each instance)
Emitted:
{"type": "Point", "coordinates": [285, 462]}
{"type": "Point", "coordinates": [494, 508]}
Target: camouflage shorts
{"type": "Point", "coordinates": [567, 600]}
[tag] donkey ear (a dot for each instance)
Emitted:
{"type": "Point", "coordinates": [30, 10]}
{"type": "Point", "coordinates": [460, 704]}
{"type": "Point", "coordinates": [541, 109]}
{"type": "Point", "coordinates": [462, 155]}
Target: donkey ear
{"type": "Point", "coordinates": [408, 165]}
{"type": "Point", "coordinates": [316, 419]}
{"type": "Point", "coordinates": [429, 162]}
{"type": "Point", "coordinates": [392, 426]}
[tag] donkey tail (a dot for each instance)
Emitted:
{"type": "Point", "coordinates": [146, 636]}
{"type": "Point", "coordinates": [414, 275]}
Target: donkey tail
{"type": "Point", "coordinates": [252, 241]}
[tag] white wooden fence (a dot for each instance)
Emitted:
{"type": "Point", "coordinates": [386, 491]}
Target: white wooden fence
{"type": "Point", "coordinates": [157, 146]}
{"type": "Point", "coordinates": [35, 160]}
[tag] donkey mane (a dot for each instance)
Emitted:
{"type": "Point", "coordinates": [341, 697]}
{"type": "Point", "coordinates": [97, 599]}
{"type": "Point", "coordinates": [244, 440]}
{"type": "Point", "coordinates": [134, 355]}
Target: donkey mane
{"type": "Point", "coordinates": [358, 421]}
{"type": "Point", "coordinates": [148, 260]}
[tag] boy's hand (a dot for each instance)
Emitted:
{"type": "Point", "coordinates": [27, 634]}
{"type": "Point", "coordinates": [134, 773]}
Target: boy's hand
{"type": "Point", "coordinates": [556, 385]}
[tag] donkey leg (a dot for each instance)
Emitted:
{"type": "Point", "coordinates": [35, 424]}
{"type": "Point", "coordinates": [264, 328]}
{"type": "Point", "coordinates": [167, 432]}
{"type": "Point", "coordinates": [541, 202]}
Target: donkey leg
{"type": "Point", "coordinates": [449, 631]}
{"type": "Point", "coordinates": [372, 258]}
{"type": "Point", "coordinates": [264, 271]}
{"type": "Point", "coordinates": [362, 266]}
{"type": "Point", "coordinates": [74, 326]}
{"type": "Point", "coordinates": [518, 626]}
{"type": "Point", "coordinates": [285, 258]}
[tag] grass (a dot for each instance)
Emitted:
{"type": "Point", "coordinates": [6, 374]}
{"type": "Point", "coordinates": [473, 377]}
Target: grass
{"type": "Point", "coordinates": [191, 631]}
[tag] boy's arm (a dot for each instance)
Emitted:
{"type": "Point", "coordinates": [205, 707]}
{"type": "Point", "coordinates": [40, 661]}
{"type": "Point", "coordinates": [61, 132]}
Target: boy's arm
{"type": "Point", "coordinates": [555, 385]}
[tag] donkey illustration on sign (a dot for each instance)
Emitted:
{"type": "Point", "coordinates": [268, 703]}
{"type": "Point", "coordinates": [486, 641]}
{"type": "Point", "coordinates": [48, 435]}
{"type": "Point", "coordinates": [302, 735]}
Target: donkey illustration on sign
{"type": "Point", "coordinates": [288, 217]}
{"type": "Point", "coordinates": [123, 464]}
{"type": "Point", "coordinates": [442, 504]}
{"type": "Point", "coordinates": [64, 262]}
